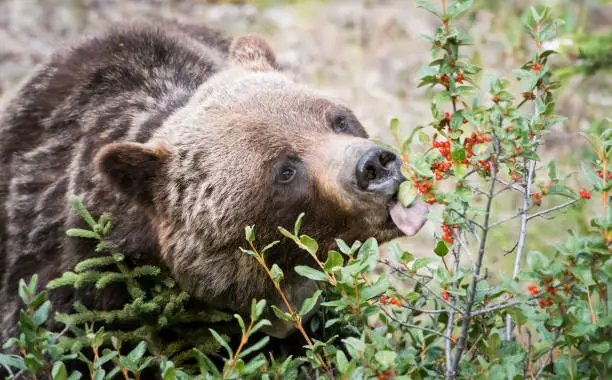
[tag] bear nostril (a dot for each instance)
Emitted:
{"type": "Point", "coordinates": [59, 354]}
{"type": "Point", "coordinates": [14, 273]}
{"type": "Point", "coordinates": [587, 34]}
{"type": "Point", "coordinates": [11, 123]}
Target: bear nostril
{"type": "Point", "coordinates": [376, 171]}
{"type": "Point", "coordinates": [387, 158]}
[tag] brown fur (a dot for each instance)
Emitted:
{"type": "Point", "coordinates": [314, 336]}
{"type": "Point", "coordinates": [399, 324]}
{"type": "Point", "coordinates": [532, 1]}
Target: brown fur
{"type": "Point", "coordinates": [180, 134]}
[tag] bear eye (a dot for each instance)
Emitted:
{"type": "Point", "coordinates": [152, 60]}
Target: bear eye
{"type": "Point", "coordinates": [339, 124]}
{"type": "Point", "coordinates": [286, 174]}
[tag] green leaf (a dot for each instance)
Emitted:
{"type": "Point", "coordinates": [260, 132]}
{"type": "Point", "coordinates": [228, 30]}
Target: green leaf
{"type": "Point", "coordinates": [59, 372]}
{"type": "Point", "coordinates": [277, 273]}
{"type": "Point", "coordinates": [221, 341]}
{"type": "Point", "coordinates": [601, 347]}
{"type": "Point", "coordinates": [394, 124]}
{"type": "Point", "coordinates": [42, 313]}
{"type": "Point", "coordinates": [334, 260]}
{"type": "Point", "coordinates": [13, 361]}
{"type": "Point", "coordinates": [249, 233]}
{"type": "Point", "coordinates": [430, 7]}
{"type": "Point", "coordinates": [344, 248]}
{"type": "Point", "coordinates": [379, 287]}
{"type": "Point", "coordinates": [386, 358]}
{"type": "Point", "coordinates": [105, 358]}
{"type": "Point", "coordinates": [592, 177]}
{"type": "Point", "coordinates": [408, 140]}
{"type": "Point", "coordinates": [311, 273]}
{"type": "Point", "coordinates": [368, 253]}
{"type": "Point", "coordinates": [260, 324]}
{"type": "Point", "coordinates": [240, 322]}
{"type": "Point", "coordinates": [286, 233]}
{"type": "Point", "coordinates": [267, 247]}
{"type": "Point", "coordinates": [255, 364]}
{"type": "Point", "coordinates": [583, 274]}
{"type": "Point", "coordinates": [309, 303]}
{"type": "Point", "coordinates": [257, 308]}
{"type": "Point", "coordinates": [552, 170]}
{"type": "Point", "coordinates": [206, 365]}
{"type": "Point", "coordinates": [341, 361]}
{"type": "Point", "coordinates": [407, 193]}
{"type": "Point", "coordinates": [255, 347]}
{"type": "Point", "coordinates": [537, 261]}
{"type": "Point", "coordinates": [282, 315]}
{"type": "Point", "coordinates": [441, 249]}
{"type": "Point", "coordinates": [298, 224]}
{"type": "Point", "coordinates": [458, 154]}
{"type": "Point", "coordinates": [78, 232]}
{"type": "Point", "coordinates": [311, 245]}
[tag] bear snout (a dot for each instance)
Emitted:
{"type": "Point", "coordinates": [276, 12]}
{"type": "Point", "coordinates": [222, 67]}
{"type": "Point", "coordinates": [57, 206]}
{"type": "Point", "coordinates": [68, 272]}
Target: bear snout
{"type": "Point", "coordinates": [378, 171]}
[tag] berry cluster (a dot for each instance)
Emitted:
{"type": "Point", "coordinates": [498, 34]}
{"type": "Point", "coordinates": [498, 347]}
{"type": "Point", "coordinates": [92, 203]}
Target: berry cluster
{"type": "Point", "coordinates": [584, 194]}
{"type": "Point", "coordinates": [440, 167]}
{"type": "Point", "coordinates": [537, 199]}
{"type": "Point", "coordinates": [424, 186]}
{"type": "Point", "coordinates": [385, 300]}
{"type": "Point", "coordinates": [601, 174]}
{"type": "Point", "coordinates": [448, 234]}
{"type": "Point", "coordinates": [388, 374]}
{"type": "Point", "coordinates": [444, 148]}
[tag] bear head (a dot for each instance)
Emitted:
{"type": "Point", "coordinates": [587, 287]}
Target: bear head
{"type": "Point", "coordinates": [252, 147]}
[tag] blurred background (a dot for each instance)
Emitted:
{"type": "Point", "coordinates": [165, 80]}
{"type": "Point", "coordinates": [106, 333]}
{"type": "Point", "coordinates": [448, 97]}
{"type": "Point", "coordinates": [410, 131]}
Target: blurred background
{"type": "Point", "coordinates": [367, 53]}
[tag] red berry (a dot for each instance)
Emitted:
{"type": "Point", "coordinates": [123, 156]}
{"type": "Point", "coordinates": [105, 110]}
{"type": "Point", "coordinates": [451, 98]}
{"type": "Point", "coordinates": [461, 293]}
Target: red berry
{"type": "Point", "coordinates": [460, 78]}
{"type": "Point", "coordinates": [585, 194]}
{"type": "Point", "coordinates": [508, 129]}
{"type": "Point", "coordinates": [444, 78]}
{"type": "Point", "coordinates": [536, 67]}
{"type": "Point", "coordinates": [447, 116]}
{"type": "Point", "coordinates": [533, 289]}
{"type": "Point", "coordinates": [445, 296]}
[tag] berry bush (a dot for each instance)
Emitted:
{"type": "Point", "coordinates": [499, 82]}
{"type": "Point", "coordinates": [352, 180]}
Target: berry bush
{"type": "Point", "coordinates": [396, 316]}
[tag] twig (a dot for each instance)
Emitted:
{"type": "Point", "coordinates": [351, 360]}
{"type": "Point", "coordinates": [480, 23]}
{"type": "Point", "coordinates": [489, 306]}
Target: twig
{"type": "Point", "coordinates": [522, 237]}
{"type": "Point", "coordinates": [558, 207]}
{"type": "Point", "coordinates": [509, 185]}
{"type": "Point", "coordinates": [405, 324]}
{"type": "Point", "coordinates": [475, 278]}
{"type": "Point", "coordinates": [495, 307]}
{"type": "Point", "coordinates": [549, 354]}
{"type": "Point", "coordinates": [423, 284]}
{"type": "Point", "coordinates": [451, 316]}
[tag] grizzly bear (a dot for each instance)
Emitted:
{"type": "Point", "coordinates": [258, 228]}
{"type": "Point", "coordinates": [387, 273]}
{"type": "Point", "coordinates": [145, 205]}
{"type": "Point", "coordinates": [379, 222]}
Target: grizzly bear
{"type": "Point", "coordinates": [184, 136]}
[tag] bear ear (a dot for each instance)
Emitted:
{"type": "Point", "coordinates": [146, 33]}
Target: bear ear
{"type": "Point", "coordinates": [133, 168]}
{"type": "Point", "coordinates": [252, 52]}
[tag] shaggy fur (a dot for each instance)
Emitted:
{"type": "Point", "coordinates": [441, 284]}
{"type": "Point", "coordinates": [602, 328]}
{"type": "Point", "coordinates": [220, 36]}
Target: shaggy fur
{"type": "Point", "coordinates": [183, 136]}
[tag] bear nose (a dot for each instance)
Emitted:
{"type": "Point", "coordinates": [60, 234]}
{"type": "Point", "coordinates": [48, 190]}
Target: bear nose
{"type": "Point", "coordinates": [378, 170]}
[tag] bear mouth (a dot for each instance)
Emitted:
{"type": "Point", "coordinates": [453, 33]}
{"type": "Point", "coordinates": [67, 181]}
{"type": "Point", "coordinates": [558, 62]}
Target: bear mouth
{"type": "Point", "coordinates": [409, 220]}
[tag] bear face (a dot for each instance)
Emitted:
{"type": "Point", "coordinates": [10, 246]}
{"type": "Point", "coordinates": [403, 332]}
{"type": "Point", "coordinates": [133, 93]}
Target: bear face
{"type": "Point", "coordinates": [253, 147]}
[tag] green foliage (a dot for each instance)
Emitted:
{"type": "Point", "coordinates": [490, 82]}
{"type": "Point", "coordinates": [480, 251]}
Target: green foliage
{"type": "Point", "coordinates": [418, 318]}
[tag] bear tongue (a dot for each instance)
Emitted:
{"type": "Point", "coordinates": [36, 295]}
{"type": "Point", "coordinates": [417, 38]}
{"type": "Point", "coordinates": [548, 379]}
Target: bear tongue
{"type": "Point", "coordinates": [409, 219]}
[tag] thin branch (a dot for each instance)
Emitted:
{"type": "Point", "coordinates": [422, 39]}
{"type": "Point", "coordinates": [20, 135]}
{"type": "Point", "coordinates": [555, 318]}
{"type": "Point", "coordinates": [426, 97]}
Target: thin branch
{"type": "Point", "coordinates": [423, 284]}
{"type": "Point", "coordinates": [475, 278]}
{"type": "Point", "coordinates": [558, 207]}
{"type": "Point", "coordinates": [426, 311]}
{"type": "Point", "coordinates": [464, 216]}
{"type": "Point", "coordinates": [522, 236]}
{"type": "Point", "coordinates": [495, 307]}
{"type": "Point", "coordinates": [549, 354]}
{"type": "Point", "coordinates": [410, 325]}
{"type": "Point", "coordinates": [448, 349]}
{"type": "Point", "coordinates": [511, 186]}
